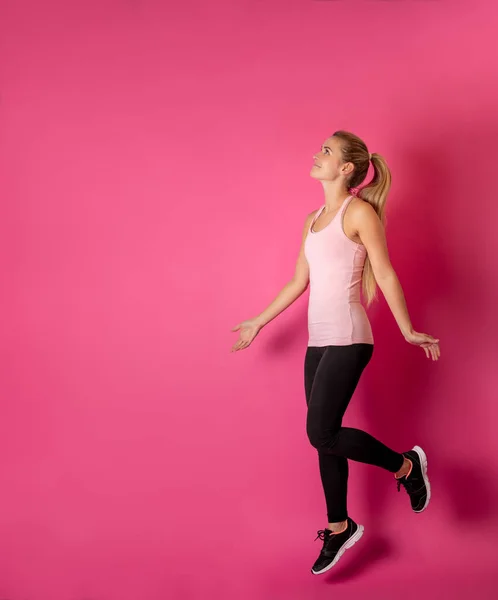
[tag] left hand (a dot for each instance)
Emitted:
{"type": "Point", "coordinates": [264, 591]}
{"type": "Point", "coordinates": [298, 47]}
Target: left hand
{"type": "Point", "coordinates": [425, 341]}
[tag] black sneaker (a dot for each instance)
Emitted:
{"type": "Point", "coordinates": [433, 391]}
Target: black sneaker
{"type": "Point", "coordinates": [416, 483]}
{"type": "Point", "coordinates": [334, 545]}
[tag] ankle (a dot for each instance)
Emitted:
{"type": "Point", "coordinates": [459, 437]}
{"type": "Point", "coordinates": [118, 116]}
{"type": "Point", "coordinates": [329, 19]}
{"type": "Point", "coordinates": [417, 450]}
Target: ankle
{"type": "Point", "coordinates": [338, 527]}
{"type": "Point", "coordinates": [405, 468]}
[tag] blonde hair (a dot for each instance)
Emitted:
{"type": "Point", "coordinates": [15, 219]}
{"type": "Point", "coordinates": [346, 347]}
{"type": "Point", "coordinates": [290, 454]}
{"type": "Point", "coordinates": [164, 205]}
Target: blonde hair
{"type": "Point", "coordinates": [354, 150]}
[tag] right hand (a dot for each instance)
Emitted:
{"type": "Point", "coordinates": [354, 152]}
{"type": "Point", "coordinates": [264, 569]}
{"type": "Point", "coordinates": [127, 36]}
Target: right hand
{"type": "Point", "coordinates": [248, 331]}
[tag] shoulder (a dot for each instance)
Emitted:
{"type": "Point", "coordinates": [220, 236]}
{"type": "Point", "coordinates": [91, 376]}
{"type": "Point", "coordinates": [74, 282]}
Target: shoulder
{"type": "Point", "coordinates": [361, 211]}
{"type": "Point", "coordinates": [310, 216]}
{"type": "Point", "coordinates": [361, 207]}
{"type": "Point", "coordinates": [307, 222]}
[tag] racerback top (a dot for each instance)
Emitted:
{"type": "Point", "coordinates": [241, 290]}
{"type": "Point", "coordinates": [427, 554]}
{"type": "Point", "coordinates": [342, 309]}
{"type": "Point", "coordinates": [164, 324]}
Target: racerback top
{"type": "Point", "coordinates": [336, 315]}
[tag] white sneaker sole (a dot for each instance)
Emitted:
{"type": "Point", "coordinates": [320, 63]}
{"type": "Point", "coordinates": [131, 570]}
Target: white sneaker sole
{"type": "Point", "coordinates": [351, 542]}
{"type": "Point", "coordinates": [423, 464]}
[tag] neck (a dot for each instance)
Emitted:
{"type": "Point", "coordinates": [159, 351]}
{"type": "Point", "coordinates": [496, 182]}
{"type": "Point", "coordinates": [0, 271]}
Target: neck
{"type": "Point", "coordinates": [334, 195]}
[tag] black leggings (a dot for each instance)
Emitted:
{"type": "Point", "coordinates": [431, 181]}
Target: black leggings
{"type": "Point", "coordinates": [331, 374]}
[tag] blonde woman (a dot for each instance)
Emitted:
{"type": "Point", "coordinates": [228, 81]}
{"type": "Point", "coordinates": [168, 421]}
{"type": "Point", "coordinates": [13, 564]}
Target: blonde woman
{"type": "Point", "coordinates": [343, 251]}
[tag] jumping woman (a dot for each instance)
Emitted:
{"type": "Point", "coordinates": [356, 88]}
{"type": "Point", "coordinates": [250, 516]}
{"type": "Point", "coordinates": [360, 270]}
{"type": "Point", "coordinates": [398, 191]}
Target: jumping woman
{"type": "Point", "coordinates": [344, 251]}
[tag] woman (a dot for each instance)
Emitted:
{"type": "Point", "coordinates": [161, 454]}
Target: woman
{"type": "Point", "coordinates": [344, 247]}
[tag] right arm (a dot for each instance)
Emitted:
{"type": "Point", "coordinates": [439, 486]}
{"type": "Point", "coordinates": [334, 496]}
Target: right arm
{"type": "Point", "coordinates": [288, 294]}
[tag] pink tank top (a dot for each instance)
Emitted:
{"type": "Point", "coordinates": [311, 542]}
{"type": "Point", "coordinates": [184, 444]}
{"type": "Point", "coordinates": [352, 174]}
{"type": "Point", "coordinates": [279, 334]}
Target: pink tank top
{"type": "Point", "coordinates": [336, 315]}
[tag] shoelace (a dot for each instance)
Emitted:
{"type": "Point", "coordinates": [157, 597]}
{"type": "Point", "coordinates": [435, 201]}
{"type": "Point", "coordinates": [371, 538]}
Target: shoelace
{"type": "Point", "coordinates": [325, 535]}
{"type": "Point", "coordinates": [322, 534]}
{"type": "Point", "coordinates": [411, 485]}
{"type": "Point", "coordinates": [398, 483]}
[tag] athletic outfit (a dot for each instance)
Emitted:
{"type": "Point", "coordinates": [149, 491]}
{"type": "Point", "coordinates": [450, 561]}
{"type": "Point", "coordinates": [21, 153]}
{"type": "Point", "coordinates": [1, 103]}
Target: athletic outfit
{"type": "Point", "coordinates": [340, 345]}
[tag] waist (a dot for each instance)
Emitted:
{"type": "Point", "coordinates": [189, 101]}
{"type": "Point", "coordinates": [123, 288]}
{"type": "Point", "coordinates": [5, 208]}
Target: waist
{"type": "Point", "coordinates": [333, 295]}
{"type": "Point", "coordinates": [342, 323]}
{"type": "Point", "coordinates": [329, 306]}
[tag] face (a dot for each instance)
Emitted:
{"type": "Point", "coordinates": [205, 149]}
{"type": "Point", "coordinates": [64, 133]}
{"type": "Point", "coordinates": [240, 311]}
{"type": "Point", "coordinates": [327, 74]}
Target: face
{"type": "Point", "coordinates": [328, 163]}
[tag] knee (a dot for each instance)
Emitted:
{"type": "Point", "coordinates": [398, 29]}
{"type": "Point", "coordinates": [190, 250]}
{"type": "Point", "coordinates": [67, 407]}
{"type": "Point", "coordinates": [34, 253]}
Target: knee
{"type": "Point", "coordinates": [319, 437]}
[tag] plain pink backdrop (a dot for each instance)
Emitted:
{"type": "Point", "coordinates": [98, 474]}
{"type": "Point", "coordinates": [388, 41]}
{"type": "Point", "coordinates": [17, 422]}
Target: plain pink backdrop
{"type": "Point", "coordinates": [155, 164]}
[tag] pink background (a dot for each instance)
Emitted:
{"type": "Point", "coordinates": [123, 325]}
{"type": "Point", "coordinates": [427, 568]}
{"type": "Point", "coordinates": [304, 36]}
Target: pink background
{"type": "Point", "coordinates": [155, 164]}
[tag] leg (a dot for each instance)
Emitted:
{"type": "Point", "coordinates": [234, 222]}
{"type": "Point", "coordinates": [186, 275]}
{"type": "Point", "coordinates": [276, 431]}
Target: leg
{"type": "Point", "coordinates": [342, 532]}
{"type": "Point", "coordinates": [331, 376]}
{"type": "Point", "coordinates": [334, 470]}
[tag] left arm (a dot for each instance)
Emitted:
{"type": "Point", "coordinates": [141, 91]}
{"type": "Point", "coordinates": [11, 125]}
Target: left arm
{"type": "Point", "coordinates": [371, 231]}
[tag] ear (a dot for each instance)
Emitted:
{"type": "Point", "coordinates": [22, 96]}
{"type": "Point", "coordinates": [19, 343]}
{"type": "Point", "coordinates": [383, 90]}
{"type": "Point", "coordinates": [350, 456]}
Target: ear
{"type": "Point", "coordinates": [347, 168]}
